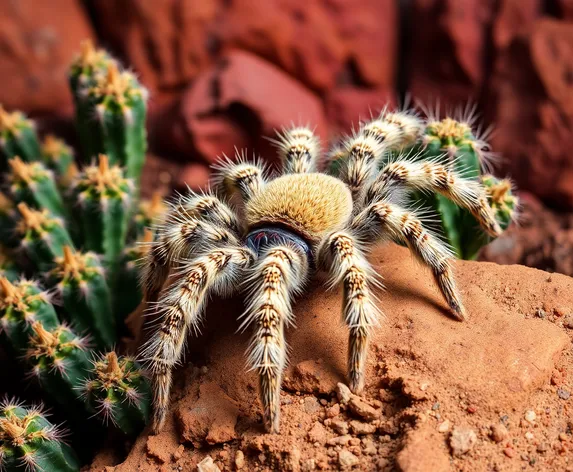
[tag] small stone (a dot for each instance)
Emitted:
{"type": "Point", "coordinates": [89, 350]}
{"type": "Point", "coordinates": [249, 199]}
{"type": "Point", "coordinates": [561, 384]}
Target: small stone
{"type": "Point", "coordinates": [560, 311]}
{"type": "Point", "coordinates": [309, 465]}
{"type": "Point", "coordinates": [343, 393]}
{"type": "Point", "coordinates": [317, 434]}
{"type": "Point", "coordinates": [311, 405]}
{"type": "Point", "coordinates": [360, 428]}
{"type": "Point", "coordinates": [568, 322]}
{"type": "Point", "coordinates": [333, 411]}
{"type": "Point", "coordinates": [562, 437]}
{"type": "Point", "coordinates": [540, 313]}
{"type": "Point", "coordinates": [509, 452]}
{"type": "Point", "coordinates": [347, 460]}
{"type": "Point", "coordinates": [204, 369]}
{"type": "Point", "coordinates": [369, 446]}
{"type": "Point", "coordinates": [340, 426]}
{"type": "Point", "coordinates": [444, 426]}
{"type": "Point", "coordinates": [323, 401]}
{"type": "Point", "coordinates": [542, 447]}
{"type": "Point", "coordinates": [499, 433]}
{"type": "Point", "coordinates": [340, 440]}
{"type": "Point", "coordinates": [563, 394]}
{"type": "Point", "coordinates": [207, 465]}
{"type": "Point", "coordinates": [363, 409]}
{"type": "Point", "coordinates": [529, 435]}
{"type": "Point", "coordinates": [178, 453]}
{"type": "Point", "coordinates": [354, 442]}
{"type": "Point", "coordinates": [471, 409]}
{"type": "Point", "coordinates": [530, 416]}
{"type": "Point", "coordinates": [239, 460]}
{"type": "Point", "coordinates": [462, 440]}
{"type": "Point", "coordinates": [436, 406]}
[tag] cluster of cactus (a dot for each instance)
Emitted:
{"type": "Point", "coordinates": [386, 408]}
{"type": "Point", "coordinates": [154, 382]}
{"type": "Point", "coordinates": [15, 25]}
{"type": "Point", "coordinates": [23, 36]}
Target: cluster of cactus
{"type": "Point", "coordinates": [78, 231]}
{"type": "Point", "coordinates": [449, 141]}
{"type": "Point", "coordinates": [29, 442]}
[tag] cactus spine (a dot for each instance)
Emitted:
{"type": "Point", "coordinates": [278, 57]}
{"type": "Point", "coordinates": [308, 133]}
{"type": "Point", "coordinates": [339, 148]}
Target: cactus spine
{"type": "Point", "coordinates": [118, 391]}
{"type": "Point", "coordinates": [59, 157]}
{"type": "Point", "coordinates": [23, 303]}
{"type": "Point", "coordinates": [104, 198]}
{"type": "Point", "coordinates": [112, 107]}
{"type": "Point", "coordinates": [35, 185]}
{"type": "Point", "coordinates": [42, 236]}
{"type": "Point", "coordinates": [29, 442]}
{"type": "Point", "coordinates": [80, 282]}
{"type": "Point", "coordinates": [18, 137]}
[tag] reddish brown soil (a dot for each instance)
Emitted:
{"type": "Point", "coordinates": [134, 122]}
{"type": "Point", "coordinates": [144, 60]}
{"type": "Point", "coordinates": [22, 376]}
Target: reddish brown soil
{"type": "Point", "coordinates": [500, 381]}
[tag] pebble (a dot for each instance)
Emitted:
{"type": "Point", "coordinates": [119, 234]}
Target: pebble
{"type": "Point", "coordinates": [359, 428]}
{"type": "Point", "coordinates": [340, 440]}
{"type": "Point", "coordinates": [311, 405]}
{"type": "Point", "coordinates": [239, 460]}
{"type": "Point", "coordinates": [529, 435]}
{"type": "Point", "coordinates": [499, 433]}
{"type": "Point", "coordinates": [462, 440]}
{"type": "Point", "coordinates": [207, 465]}
{"type": "Point", "coordinates": [509, 452]}
{"type": "Point", "coordinates": [562, 437]}
{"type": "Point", "coordinates": [340, 426]}
{"type": "Point", "coordinates": [333, 411]}
{"type": "Point", "coordinates": [568, 322]}
{"type": "Point", "coordinates": [542, 447]}
{"type": "Point", "coordinates": [363, 409]}
{"type": "Point", "coordinates": [346, 459]}
{"type": "Point", "coordinates": [540, 313]}
{"type": "Point", "coordinates": [530, 416]}
{"type": "Point", "coordinates": [436, 406]}
{"type": "Point", "coordinates": [563, 394]}
{"type": "Point", "coordinates": [343, 393]}
{"type": "Point", "coordinates": [444, 426]}
{"type": "Point", "coordinates": [369, 446]}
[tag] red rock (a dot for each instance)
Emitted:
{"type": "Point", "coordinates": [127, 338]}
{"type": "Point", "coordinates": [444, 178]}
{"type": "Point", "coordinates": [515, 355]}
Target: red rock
{"type": "Point", "coordinates": [194, 176]}
{"type": "Point", "coordinates": [311, 376]}
{"type": "Point", "coordinates": [448, 49]}
{"type": "Point", "coordinates": [243, 97]}
{"type": "Point", "coordinates": [314, 41]}
{"type": "Point", "coordinates": [347, 106]}
{"type": "Point", "coordinates": [533, 111]}
{"type": "Point", "coordinates": [565, 9]}
{"type": "Point", "coordinates": [39, 40]}
{"type": "Point", "coordinates": [514, 18]}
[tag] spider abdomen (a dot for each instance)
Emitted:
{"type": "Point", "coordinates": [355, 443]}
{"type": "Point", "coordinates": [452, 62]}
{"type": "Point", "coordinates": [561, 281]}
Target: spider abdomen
{"type": "Point", "coordinates": [311, 204]}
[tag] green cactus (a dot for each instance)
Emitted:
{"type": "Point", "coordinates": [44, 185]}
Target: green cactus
{"type": "Point", "coordinates": [80, 282]}
{"type": "Point", "coordinates": [128, 278]}
{"type": "Point", "coordinates": [90, 64]}
{"type": "Point", "coordinates": [18, 137]}
{"type": "Point", "coordinates": [8, 267]}
{"type": "Point", "coordinates": [57, 358]}
{"type": "Point", "coordinates": [117, 389]}
{"type": "Point", "coordinates": [59, 157]}
{"type": "Point", "coordinates": [148, 214]}
{"type": "Point", "coordinates": [114, 105]}
{"type": "Point", "coordinates": [35, 185]}
{"type": "Point", "coordinates": [30, 443]}
{"type": "Point", "coordinates": [23, 303]}
{"type": "Point", "coordinates": [103, 197]}
{"type": "Point", "coordinates": [8, 217]}
{"type": "Point", "coordinates": [42, 236]}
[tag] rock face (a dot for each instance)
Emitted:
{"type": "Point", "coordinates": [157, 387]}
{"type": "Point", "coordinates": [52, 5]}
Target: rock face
{"type": "Point", "coordinates": [533, 85]}
{"type": "Point", "coordinates": [39, 40]}
{"type": "Point", "coordinates": [425, 371]}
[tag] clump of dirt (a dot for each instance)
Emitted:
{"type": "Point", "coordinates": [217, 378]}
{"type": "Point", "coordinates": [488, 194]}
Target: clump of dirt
{"type": "Point", "coordinates": [491, 393]}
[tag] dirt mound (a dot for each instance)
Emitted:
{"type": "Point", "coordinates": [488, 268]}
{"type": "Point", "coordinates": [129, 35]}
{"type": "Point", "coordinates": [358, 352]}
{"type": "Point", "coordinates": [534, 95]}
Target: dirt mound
{"type": "Point", "coordinates": [492, 393]}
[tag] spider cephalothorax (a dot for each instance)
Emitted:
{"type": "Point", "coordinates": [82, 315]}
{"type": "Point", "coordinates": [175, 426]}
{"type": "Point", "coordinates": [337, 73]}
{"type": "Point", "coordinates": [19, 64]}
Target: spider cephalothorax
{"type": "Point", "coordinates": [290, 226]}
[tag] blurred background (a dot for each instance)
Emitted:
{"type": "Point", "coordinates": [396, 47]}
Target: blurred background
{"type": "Point", "coordinates": [223, 73]}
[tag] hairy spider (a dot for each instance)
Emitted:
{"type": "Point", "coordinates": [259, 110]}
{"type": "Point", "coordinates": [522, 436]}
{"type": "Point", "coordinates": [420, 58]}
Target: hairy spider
{"type": "Point", "coordinates": [285, 229]}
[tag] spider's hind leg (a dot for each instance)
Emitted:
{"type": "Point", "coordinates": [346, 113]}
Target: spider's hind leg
{"type": "Point", "coordinates": [340, 256]}
{"type": "Point", "coordinates": [277, 276]}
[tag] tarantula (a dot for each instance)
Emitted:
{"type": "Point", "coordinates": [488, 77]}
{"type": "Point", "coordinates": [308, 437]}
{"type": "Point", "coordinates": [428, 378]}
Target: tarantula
{"type": "Point", "coordinates": [285, 229]}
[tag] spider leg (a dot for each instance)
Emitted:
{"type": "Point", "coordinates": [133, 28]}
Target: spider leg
{"type": "Point", "coordinates": [339, 254]}
{"type": "Point", "coordinates": [387, 219]}
{"type": "Point", "coordinates": [435, 177]}
{"type": "Point", "coordinates": [277, 276]}
{"type": "Point", "coordinates": [363, 153]}
{"type": "Point", "coordinates": [180, 306]}
{"type": "Point", "coordinates": [193, 223]}
{"type": "Point", "coordinates": [239, 177]}
{"type": "Point", "coordinates": [299, 150]}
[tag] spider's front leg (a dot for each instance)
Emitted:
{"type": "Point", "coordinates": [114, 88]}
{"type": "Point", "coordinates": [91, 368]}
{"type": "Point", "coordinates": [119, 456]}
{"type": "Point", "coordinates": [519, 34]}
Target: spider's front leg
{"type": "Point", "coordinates": [431, 176]}
{"type": "Point", "coordinates": [179, 306]}
{"type": "Point", "coordinates": [340, 256]}
{"type": "Point", "coordinates": [278, 275]}
{"type": "Point", "coordinates": [384, 219]}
